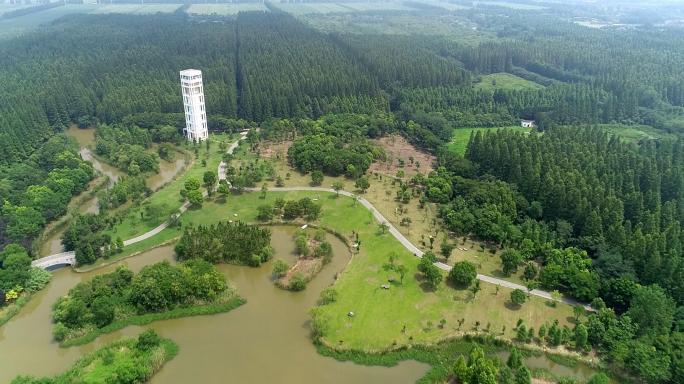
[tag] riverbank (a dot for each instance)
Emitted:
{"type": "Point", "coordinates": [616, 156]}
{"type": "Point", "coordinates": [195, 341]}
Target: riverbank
{"type": "Point", "coordinates": [441, 356]}
{"type": "Point", "coordinates": [9, 311]}
{"type": "Point", "coordinates": [49, 242]}
{"type": "Point", "coordinates": [136, 360]}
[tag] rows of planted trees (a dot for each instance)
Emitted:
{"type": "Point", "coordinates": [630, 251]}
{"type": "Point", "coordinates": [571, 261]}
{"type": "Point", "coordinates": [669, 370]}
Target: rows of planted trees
{"type": "Point", "coordinates": [118, 69]}
{"type": "Point", "coordinates": [580, 212]}
{"type": "Point", "coordinates": [236, 243]}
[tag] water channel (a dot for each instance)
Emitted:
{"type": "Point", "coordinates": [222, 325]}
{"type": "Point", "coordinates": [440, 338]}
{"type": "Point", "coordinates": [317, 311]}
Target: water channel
{"type": "Point", "coordinates": [86, 139]}
{"type": "Point", "coordinates": [265, 340]}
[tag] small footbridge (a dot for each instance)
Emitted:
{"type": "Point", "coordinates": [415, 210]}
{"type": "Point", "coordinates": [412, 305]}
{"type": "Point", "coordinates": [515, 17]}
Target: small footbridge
{"type": "Point", "coordinates": [56, 260]}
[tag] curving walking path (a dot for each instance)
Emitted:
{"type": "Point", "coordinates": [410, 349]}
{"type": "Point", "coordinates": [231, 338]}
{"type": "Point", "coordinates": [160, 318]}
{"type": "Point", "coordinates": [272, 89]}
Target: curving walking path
{"type": "Point", "coordinates": [416, 251]}
{"type": "Point", "coordinates": [69, 257]}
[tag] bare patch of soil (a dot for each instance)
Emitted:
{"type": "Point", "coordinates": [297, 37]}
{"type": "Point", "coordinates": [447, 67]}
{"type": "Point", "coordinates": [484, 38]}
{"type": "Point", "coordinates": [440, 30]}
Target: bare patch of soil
{"type": "Point", "coordinates": [307, 267]}
{"type": "Point", "coordinates": [274, 150]}
{"type": "Point", "coordinates": [399, 151]}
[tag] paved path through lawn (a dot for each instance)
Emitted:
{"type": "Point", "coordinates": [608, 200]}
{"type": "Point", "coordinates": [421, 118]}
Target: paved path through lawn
{"type": "Point", "coordinates": [415, 250]}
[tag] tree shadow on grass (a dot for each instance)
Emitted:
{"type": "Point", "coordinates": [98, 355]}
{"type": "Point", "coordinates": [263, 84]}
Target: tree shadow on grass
{"type": "Point", "coordinates": [423, 283]}
{"type": "Point", "coordinates": [499, 274]}
{"type": "Point", "coordinates": [451, 285]}
{"type": "Point", "coordinates": [512, 307]}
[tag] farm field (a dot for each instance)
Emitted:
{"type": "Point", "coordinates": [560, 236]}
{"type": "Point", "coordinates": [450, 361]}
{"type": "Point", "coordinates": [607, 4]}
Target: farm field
{"type": "Point", "coordinates": [511, 5]}
{"type": "Point", "coordinates": [16, 26]}
{"type": "Point", "coordinates": [446, 5]}
{"type": "Point", "coordinates": [460, 137]}
{"type": "Point", "coordinates": [136, 9]}
{"type": "Point", "coordinates": [224, 9]}
{"type": "Point", "coordinates": [13, 7]}
{"type": "Point", "coordinates": [506, 82]}
{"type": "Point", "coordinates": [324, 8]}
{"type": "Point", "coordinates": [304, 9]}
{"type": "Point", "coordinates": [388, 6]}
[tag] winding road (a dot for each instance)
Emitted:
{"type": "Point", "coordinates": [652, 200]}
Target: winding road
{"type": "Point", "coordinates": [69, 258]}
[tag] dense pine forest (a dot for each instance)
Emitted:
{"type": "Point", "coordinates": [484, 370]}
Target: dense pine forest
{"type": "Point", "coordinates": [584, 212]}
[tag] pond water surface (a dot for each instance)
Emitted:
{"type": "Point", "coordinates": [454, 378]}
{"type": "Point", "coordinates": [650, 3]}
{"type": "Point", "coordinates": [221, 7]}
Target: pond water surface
{"type": "Point", "coordinates": [265, 340]}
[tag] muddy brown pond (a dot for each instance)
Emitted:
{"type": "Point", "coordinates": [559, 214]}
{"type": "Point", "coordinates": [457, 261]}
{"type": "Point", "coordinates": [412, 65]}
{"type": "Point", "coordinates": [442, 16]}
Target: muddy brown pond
{"type": "Point", "coordinates": [265, 340]}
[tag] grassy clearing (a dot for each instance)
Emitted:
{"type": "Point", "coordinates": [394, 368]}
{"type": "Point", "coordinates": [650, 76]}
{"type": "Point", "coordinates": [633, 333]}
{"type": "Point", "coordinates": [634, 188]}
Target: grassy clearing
{"type": "Point", "coordinates": [135, 223]}
{"type": "Point", "coordinates": [224, 9]}
{"type": "Point", "coordinates": [228, 303]}
{"type": "Point", "coordinates": [381, 314]}
{"type": "Point", "coordinates": [19, 25]}
{"type": "Point", "coordinates": [102, 365]}
{"type": "Point", "coordinates": [507, 82]}
{"type": "Point", "coordinates": [460, 137]}
{"type": "Point", "coordinates": [635, 133]}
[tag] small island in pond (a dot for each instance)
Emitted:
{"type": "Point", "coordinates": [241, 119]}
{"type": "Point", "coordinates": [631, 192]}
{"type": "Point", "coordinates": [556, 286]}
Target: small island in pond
{"type": "Point", "coordinates": [313, 253]}
{"type": "Point", "coordinates": [160, 291]}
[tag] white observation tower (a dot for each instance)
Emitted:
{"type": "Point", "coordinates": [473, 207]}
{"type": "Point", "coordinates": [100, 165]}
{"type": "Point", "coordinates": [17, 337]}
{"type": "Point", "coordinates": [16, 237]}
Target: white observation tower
{"type": "Point", "coordinates": [193, 103]}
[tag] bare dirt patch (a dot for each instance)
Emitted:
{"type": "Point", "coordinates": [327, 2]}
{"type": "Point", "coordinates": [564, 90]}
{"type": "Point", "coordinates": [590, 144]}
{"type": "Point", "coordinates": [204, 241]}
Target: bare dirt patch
{"type": "Point", "coordinates": [402, 155]}
{"type": "Point", "coordinates": [274, 150]}
{"type": "Point", "coordinates": [307, 267]}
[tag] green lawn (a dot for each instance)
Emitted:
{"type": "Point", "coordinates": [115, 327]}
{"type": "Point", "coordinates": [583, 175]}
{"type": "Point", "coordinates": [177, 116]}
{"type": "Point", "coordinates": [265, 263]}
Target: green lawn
{"type": "Point", "coordinates": [168, 197]}
{"type": "Point", "coordinates": [460, 137]}
{"type": "Point", "coordinates": [635, 132]}
{"type": "Point", "coordinates": [507, 82]}
{"type": "Point", "coordinates": [381, 314]}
